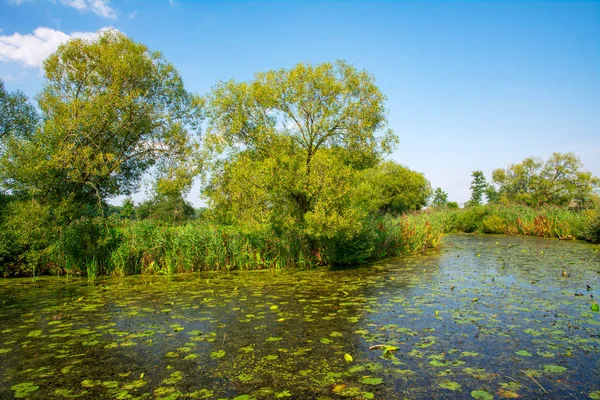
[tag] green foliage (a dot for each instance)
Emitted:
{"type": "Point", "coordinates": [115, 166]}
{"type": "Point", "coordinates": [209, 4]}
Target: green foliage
{"type": "Point", "coordinates": [452, 205]}
{"type": "Point", "coordinates": [440, 199]}
{"type": "Point", "coordinates": [469, 219]}
{"type": "Point", "coordinates": [18, 117]}
{"type": "Point", "coordinates": [493, 224]}
{"type": "Point", "coordinates": [173, 209]}
{"type": "Point", "coordinates": [392, 188]}
{"type": "Point", "coordinates": [478, 188]}
{"type": "Point", "coordinates": [551, 222]}
{"type": "Point", "coordinates": [289, 147]}
{"type": "Point", "coordinates": [558, 181]}
{"type": "Point", "coordinates": [112, 110]}
{"type": "Point", "coordinates": [128, 209]}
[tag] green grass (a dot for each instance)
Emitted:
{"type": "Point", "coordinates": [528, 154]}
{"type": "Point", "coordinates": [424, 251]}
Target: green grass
{"type": "Point", "coordinates": [549, 222]}
{"type": "Point", "coordinates": [149, 247]}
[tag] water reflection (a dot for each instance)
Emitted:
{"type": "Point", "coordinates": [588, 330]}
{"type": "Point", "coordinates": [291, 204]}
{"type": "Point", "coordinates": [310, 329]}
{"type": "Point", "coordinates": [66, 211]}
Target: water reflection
{"type": "Point", "coordinates": [488, 314]}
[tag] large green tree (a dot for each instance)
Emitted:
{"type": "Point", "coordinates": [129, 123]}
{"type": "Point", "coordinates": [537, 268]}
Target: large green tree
{"type": "Point", "coordinates": [288, 146]}
{"type": "Point", "coordinates": [112, 111]}
{"type": "Point", "coordinates": [560, 181]}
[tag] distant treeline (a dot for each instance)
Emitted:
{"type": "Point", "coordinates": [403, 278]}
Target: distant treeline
{"type": "Point", "coordinates": [292, 164]}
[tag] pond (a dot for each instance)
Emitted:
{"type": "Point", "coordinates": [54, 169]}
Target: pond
{"type": "Point", "coordinates": [486, 317]}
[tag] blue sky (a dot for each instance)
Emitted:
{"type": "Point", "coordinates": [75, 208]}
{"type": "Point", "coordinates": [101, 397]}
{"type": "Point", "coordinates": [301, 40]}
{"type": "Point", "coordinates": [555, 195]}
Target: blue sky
{"type": "Point", "coordinates": [470, 85]}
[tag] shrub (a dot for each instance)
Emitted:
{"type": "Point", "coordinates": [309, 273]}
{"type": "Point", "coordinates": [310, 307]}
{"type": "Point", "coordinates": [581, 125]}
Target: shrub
{"type": "Point", "coordinates": [493, 224]}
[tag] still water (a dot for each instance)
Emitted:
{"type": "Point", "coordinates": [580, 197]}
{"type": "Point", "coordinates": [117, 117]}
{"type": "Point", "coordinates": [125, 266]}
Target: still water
{"type": "Point", "coordinates": [485, 317]}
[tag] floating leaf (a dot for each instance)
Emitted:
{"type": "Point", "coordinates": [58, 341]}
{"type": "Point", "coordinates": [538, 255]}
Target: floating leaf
{"type": "Point", "coordinates": [481, 395]}
{"type": "Point", "coordinates": [554, 368]}
{"type": "Point", "coordinates": [508, 394]}
{"type": "Point", "coordinates": [523, 353]}
{"type": "Point", "coordinates": [23, 390]}
{"type": "Point", "coordinates": [348, 358]}
{"type": "Point", "coordinates": [217, 354]}
{"type": "Point", "coordinates": [595, 395]}
{"type": "Point", "coordinates": [454, 386]}
{"type": "Point", "coordinates": [367, 380]}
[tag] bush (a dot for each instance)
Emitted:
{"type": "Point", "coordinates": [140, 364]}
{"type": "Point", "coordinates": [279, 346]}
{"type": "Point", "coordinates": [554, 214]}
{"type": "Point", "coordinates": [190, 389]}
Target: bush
{"type": "Point", "coordinates": [470, 219]}
{"type": "Point", "coordinates": [493, 224]}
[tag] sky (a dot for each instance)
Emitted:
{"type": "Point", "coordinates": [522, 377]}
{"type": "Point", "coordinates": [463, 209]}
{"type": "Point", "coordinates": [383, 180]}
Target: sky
{"type": "Point", "coordinates": [470, 85]}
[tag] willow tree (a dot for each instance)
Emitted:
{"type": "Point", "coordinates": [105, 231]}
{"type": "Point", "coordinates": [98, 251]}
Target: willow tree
{"type": "Point", "coordinates": [288, 144]}
{"type": "Point", "coordinates": [112, 110]}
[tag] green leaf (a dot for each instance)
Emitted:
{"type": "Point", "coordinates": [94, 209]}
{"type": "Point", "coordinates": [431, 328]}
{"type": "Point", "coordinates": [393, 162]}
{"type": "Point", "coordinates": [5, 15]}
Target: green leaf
{"type": "Point", "coordinates": [481, 395]}
{"type": "Point", "coordinates": [450, 385]}
{"type": "Point", "coordinates": [523, 353]}
{"type": "Point", "coordinates": [367, 380]}
{"type": "Point", "coordinates": [554, 368]}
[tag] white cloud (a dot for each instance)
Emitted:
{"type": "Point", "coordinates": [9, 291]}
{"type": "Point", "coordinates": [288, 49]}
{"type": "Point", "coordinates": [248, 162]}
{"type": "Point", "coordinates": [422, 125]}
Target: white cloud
{"type": "Point", "coordinates": [133, 14]}
{"type": "Point", "coordinates": [32, 49]}
{"type": "Point", "coordinates": [98, 7]}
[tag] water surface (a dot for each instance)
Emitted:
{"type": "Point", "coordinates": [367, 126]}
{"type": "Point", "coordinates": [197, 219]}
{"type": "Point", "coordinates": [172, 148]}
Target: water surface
{"type": "Point", "coordinates": [486, 317]}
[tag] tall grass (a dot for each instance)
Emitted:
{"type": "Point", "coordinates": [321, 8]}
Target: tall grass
{"type": "Point", "coordinates": [549, 222]}
{"type": "Point", "coordinates": [94, 247]}
{"type": "Point", "coordinates": [149, 247]}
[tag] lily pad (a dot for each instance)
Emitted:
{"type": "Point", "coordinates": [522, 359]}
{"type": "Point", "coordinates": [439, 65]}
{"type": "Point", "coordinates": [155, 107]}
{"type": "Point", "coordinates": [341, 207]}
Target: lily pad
{"type": "Point", "coordinates": [481, 395]}
{"type": "Point", "coordinates": [450, 385]}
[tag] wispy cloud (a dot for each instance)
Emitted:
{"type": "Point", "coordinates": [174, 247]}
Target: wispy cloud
{"type": "Point", "coordinates": [133, 14]}
{"type": "Point", "coordinates": [98, 7]}
{"type": "Point", "coordinates": [33, 48]}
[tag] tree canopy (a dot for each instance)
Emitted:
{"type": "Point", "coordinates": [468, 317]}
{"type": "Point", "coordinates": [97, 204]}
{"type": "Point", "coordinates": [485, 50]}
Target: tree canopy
{"type": "Point", "coordinates": [289, 145]}
{"type": "Point", "coordinates": [18, 117]}
{"type": "Point", "coordinates": [111, 110]}
{"type": "Point", "coordinates": [559, 181]}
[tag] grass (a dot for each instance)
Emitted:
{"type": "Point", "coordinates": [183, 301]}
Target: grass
{"type": "Point", "coordinates": [549, 222]}
{"type": "Point", "coordinates": [151, 247]}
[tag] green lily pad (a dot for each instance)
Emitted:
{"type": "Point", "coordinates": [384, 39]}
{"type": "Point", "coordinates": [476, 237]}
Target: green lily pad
{"type": "Point", "coordinates": [554, 368]}
{"type": "Point", "coordinates": [367, 380]}
{"type": "Point", "coordinates": [595, 395]}
{"type": "Point", "coordinates": [450, 385]}
{"type": "Point", "coordinates": [481, 395]}
{"type": "Point", "coordinates": [523, 353]}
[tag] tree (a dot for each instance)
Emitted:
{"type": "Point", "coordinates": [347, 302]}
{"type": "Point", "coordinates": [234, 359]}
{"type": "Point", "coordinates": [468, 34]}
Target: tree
{"type": "Point", "coordinates": [393, 188]}
{"type": "Point", "coordinates": [559, 181]}
{"type": "Point", "coordinates": [128, 208]}
{"type": "Point", "coordinates": [112, 109]}
{"type": "Point", "coordinates": [440, 198]}
{"type": "Point", "coordinates": [172, 209]}
{"type": "Point", "coordinates": [288, 146]}
{"type": "Point", "coordinates": [478, 187]}
{"type": "Point", "coordinates": [491, 194]}
{"type": "Point", "coordinates": [18, 117]}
